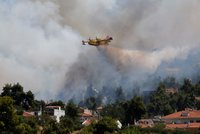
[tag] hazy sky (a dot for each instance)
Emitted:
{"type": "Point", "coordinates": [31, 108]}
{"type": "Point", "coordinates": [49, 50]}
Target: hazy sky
{"type": "Point", "coordinates": [40, 42]}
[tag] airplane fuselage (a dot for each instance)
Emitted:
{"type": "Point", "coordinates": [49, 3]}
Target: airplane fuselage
{"type": "Point", "coordinates": [97, 42]}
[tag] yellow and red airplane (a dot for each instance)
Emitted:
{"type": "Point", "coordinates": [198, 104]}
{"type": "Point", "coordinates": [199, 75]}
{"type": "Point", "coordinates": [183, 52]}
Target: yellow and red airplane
{"type": "Point", "coordinates": [98, 41]}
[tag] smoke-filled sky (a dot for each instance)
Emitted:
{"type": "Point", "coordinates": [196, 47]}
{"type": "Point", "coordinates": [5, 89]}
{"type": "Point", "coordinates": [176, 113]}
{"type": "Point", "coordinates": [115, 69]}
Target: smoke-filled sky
{"type": "Point", "coordinates": [40, 43]}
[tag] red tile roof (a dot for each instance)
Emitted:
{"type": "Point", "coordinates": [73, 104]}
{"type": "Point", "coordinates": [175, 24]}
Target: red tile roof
{"type": "Point", "coordinates": [184, 114]}
{"type": "Point", "coordinates": [86, 115]}
{"type": "Point", "coordinates": [53, 107]}
{"type": "Point", "coordinates": [27, 114]}
{"type": "Point", "coordinates": [175, 126]}
{"type": "Point", "coordinates": [143, 123]}
{"type": "Point", "coordinates": [87, 122]}
{"type": "Point", "coordinates": [183, 126]}
{"type": "Point", "coordinates": [194, 125]}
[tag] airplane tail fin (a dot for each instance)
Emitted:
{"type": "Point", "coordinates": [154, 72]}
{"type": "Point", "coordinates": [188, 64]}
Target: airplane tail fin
{"type": "Point", "coordinates": [83, 42]}
{"type": "Point", "coordinates": [109, 38]}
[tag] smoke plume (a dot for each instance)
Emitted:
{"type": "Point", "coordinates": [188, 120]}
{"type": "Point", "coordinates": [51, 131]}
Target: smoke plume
{"type": "Point", "coordinates": [40, 43]}
{"type": "Point", "coordinates": [35, 49]}
{"type": "Point", "coordinates": [149, 36]}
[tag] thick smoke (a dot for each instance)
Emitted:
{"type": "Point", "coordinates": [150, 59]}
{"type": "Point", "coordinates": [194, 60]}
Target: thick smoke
{"type": "Point", "coordinates": [149, 36]}
{"type": "Point", "coordinates": [40, 43]}
{"type": "Point", "coordinates": [35, 50]}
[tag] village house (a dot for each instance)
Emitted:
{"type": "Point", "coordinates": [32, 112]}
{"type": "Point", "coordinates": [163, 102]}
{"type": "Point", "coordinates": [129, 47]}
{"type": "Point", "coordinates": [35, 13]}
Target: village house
{"type": "Point", "coordinates": [88, 116]}
{"type": "Point", "coordinates": [171, 90]}
{"type": "Point", "coordinates": [28, 114]}
{"type": "Point", "coordinates": [32, 113]}
{"type": "Point", "coordinates": [55, 112]}
{"type": "Point", "coordinates": [143, 123]}
{"type": "Point", "coordinates": [186, 119]}
{"type": "Point", "coordinates": [85, 114]}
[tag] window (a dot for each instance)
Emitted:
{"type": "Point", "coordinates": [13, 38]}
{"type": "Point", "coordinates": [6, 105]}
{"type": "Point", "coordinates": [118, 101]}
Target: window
{"type": "Point", "coordinates": [185, 113]}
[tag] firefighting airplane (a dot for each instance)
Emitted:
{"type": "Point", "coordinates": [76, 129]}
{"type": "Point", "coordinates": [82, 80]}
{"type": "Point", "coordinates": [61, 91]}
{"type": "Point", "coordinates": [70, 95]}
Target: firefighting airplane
{"type": "Point", "coordinates": [98, 41]}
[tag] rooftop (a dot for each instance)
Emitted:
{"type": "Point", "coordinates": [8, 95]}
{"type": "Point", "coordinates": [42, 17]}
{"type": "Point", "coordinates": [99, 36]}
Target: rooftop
{"type": "Point", "coordinates": [187, 113]}
{"type": "Point", "coordinates": [28, 114]}
{"type": "Point", "coordinates": [183, 126]}
{"type": "Point", "coordinates": [87, 122]}
{"type": "Point", "coordinates": [171, 90]}
{"type": "Point", "coordinates": [53, 107]}
{"type": "Point", "coordinates": [86, 115]}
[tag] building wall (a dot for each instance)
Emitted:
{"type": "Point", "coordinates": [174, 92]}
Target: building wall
{"type": "Point", "coordinates": [58, 113]}
{"type": "Point", "coordinates": [55, 113]}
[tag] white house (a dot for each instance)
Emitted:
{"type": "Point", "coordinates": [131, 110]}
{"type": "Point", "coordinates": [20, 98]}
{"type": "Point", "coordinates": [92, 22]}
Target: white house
{"type": "Point", "coordinates": [119, 124]}
{"type": "Point", "coordinates": [55, 112]}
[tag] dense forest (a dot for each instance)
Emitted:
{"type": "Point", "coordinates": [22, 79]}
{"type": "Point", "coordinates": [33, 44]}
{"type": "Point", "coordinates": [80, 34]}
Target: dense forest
{"type": "Point", "coordinates": [127, 108]}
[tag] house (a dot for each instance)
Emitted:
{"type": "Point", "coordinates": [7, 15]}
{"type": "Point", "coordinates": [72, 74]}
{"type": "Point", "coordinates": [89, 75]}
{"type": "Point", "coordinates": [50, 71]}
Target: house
{"type": "Point", "coordinates": [87, 122]}
{"type": "Point", "coordinates": [55, 112]}
{"type": "Point", "coordinates": [119, 124]}
{"type": "Point", "coordinates": [143, 123]}
{"type": "Point", "coordinates": [183, 117]}
{"type": "Point", "coordinates": [32, 113]}
{"type": "Point", "coordinates": [28, 114]}
{"type": "Point", "coordinates": [86, 116]}
{"type": "Point", "coordinates": [197, 98]}
{"type": "Point", "coordinates": [171, 90]}
{"type": "Point", "coordinates": [189, 126]}
{"type": "Point", "coordinates": [186, 119]}
{"type": "Point", "coordinates": [157, 119]}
